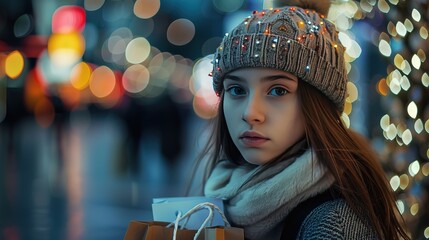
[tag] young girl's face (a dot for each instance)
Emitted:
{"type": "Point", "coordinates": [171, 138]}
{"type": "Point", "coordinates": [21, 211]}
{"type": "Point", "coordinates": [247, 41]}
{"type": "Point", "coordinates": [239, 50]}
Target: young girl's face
{"type": "Point", "coordinates": [262, 112]}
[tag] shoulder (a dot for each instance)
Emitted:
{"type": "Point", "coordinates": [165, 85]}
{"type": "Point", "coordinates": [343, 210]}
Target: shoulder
{"type": "Point", "coordinates": [335, 220]}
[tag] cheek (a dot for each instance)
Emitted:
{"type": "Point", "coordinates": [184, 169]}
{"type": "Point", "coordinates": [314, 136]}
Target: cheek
{"type": "Point", "coordinates": [298, 124]}
{"type": "Point", "coordinates": [231, 114]}
{"type": "Point", "coordinates": [292, 122]}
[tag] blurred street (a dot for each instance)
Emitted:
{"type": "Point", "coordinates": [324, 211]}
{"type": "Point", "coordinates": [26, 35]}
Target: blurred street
{"type": "Point", "coordinates": [71, 182]}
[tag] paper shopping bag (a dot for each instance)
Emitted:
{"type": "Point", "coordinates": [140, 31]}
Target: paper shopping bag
{"type": "Point", "coordinates": [223, 233]}
{"type": "Point", "coordinates": [140, 230]}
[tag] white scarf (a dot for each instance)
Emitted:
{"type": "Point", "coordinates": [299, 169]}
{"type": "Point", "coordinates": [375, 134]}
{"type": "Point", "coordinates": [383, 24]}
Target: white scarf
{"type": "Point", "coordinates": [264, 202]}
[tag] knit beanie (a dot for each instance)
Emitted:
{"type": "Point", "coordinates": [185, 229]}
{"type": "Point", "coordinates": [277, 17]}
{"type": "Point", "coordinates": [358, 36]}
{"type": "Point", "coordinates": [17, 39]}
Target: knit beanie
{"type": "Point", "coordinates": [298, 40]}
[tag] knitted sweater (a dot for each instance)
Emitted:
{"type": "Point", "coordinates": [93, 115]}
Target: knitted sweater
{"type": "Point", "coordinates": [334, 220]}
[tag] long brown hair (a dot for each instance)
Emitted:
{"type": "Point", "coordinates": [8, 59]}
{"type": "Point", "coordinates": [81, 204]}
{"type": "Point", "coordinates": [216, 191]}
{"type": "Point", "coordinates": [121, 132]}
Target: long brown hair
{"type": "Point", "coordinates": [359, 176]}
{"type": "Point", "coordinates": [351, 159]}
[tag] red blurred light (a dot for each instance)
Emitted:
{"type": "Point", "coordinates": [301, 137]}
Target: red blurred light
{"type": "Point", "coordinates": [68, 19]}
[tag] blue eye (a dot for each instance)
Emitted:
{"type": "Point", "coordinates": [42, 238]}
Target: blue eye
{"type": "Point", "coordinates": [236, 91]}
{"type": "Point", "coordinates": [278, 91]}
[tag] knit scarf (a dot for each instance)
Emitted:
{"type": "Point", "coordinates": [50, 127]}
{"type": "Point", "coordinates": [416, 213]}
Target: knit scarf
{"type": "Point", "coordinates": [260, 202]}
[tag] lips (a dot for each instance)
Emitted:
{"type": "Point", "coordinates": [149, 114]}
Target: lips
{"type": "Point", "coordinates": [253, 139]}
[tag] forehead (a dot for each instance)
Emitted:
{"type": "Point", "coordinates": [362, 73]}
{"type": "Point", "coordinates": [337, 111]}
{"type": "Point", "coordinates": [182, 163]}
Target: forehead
{"type": "Point", "coordinates": [259, 73]}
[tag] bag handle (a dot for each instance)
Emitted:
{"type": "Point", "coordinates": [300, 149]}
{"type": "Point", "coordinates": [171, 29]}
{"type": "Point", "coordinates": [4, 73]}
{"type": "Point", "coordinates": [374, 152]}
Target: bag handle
{"type": "Point", "coordinates": [198, 207]}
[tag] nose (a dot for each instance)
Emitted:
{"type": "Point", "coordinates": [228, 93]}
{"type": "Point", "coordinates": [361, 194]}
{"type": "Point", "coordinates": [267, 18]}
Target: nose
{"type": "Point", "coordinates": [254, 110]}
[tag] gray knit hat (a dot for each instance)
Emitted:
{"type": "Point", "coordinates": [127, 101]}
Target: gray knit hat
{"type": "Point", "coordinates": [292, 39]}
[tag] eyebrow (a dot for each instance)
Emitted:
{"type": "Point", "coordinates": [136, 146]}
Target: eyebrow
{"type": "Point", "coordinates": [266, 78]}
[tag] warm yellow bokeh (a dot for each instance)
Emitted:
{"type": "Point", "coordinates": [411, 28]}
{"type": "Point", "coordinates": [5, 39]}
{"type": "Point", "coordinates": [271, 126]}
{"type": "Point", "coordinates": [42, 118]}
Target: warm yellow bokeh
{"type": "Point", "coordinates": [80, 76]}
{"type": "Point", "coordinates": [14, 64]}
{"type": "Point", "coordinates": [66, 48]}
{"type": "Point", "coordinates": [102, 82]}
{"type": "Point", "coordinates": [382, 87]}
{"type": "Point", "coordinates": [73, 41]}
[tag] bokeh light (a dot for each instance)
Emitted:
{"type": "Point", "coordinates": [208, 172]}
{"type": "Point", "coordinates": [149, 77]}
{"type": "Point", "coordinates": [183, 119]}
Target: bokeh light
{"type": "Point", "coordinates": [68, 19]}
{"type": "Point", "coordinates": [180, 32]}
{"type": "Point", "coordinates": [66, 49]}
{"type": "Point", "coordinates": [382, 87]}
{"type": "Point", "coordinates": [23, 26]}
{"type": "Point", "coordinates": [365, 6]}
{"type": "Point", "coordinates": [135, 78]}
{"type": "Point", "coordinates": [407, 137]}
{"type": "Point", "coordinates": [117, 43]}
{"type": "Point", "coordinates": [137, 50]}
{"type": "Point", "coordinates": [415, 61]}
{"type": "Point", "coordinates": [93, 5]}
{"type": "Point", "coordinates": [102, 81]}
{"type": "Point", "coordinates": [401, 206]}
{"type": "Point", "coordinates": [395, 86]}
{"type": "Point", "coordinates": [426, 232]}
{"type": "Point", "coordinates": [205, 104]}
{"type": "Point", "coordinates": [391, 131]}
{"type": "Point", "coordinates": [405, 83]}
{"type": "Point", "coordinates": [346, 120]}
{"type": "Point", "coordinates": [408, 25]}
{"type": "Point", "coordinates": [385, 122]}
{"type": "Point", "coordinates": [14, 64]}
{"type": "Point", "coordinates": [412, 109]}
{"type": "Point", "coordinates": [354, 50]}
{"type": "Point", "coordinates": [400, 29]}
{"type": "Point", "coordinates": [55, 72]}
{"type": "Point", "coordinates": [423, 32]}
{"type": "Point", "coordinates": [425, 80]}
{"type": "Point", "coordinates": [80, 76]}
{"type": "Point", "coordinates": [348, 107]}
{"type": "Point", "coordinates": [205, 99]}
{"type": "Point", "coordinates": [146, 8]}
{"type": "Point", "coordinates": [162, 65]}
{"type": "Point", "coordinates": [425, 169]}
{"type": "Point", "coordinates": [404, 181]}
{"type": "Point", "coordinates": [418, 126]}
{"type": "Point", "coordinates": [352, 92]}
{"type": "Point", "coordinates": [391, 29]}
{"type": "Point", "coordinates": [384, 48]}
{"type": "Point", "coordinates": [416, 15]}
{"type": "Point", "coordinates": [200, 75]}
{"type": "Point", "coordinates": [414, 168]}
{"type": "Point", "coordinates": [114, 97]}
{"type": "Point", "coordinates": [383, 6]}
{"type": "Point", "coordinates": [414, 209]}
{"type": "Point", "coordinates": [422, 55]}
{"type": "Point", "coordinates": [394, 182]}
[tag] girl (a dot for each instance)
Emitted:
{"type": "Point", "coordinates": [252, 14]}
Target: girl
{"type": "Point", "coordinates": [281, 157]}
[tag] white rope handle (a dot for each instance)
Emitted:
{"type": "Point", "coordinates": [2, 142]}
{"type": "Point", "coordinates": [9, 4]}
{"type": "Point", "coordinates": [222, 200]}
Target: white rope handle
{"type": "Point", "coordinates": [187, 215]}
{"type": "Point", "coordinates": [176, 224]}
{"type": "Point", "coordinates": [206, 205]}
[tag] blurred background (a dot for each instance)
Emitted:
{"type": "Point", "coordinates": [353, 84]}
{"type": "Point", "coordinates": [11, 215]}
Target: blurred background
{"type": "Point", "coordinates": [104, 105]}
